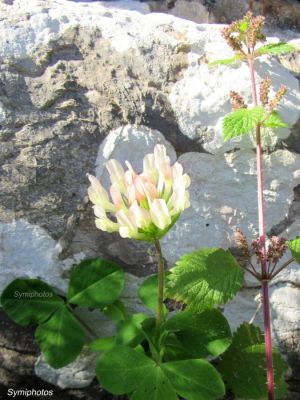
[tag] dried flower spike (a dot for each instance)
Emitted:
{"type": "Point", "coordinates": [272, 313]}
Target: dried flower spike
{"type": "Point", "coordinates": [278, 97]}
{"type": "Point", "coordinates": [237, 100]}
{"type": "Point", "coordinates": [264, 88]}
{"type": "Point", "coordinates": [242, 242]}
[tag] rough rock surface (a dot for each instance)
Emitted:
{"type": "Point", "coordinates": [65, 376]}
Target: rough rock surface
{"type": "Point", "coordinates": [81, 82]}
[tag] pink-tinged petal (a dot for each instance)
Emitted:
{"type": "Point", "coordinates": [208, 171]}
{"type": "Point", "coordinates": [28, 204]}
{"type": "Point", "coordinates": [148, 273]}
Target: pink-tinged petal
{"type": "Point", "coordinates": [177, 170]}
{"type": "Point", "coordinates": [139, 188]}
{"type": "Point", "coordinates": [131, 194]}
{"type": "Point", "coordinates": [116, 172]}
{"type": "Point", "coordinates": [116, 196]}
{"type": "Point", "coordinates": [96, 191]}
{"type": "Point", "coordinates": [98, 195]}
{"type": "Point", "coordinates": [128, 177]}
{"type": "Point", "coordinates": [151, 191]}
{"type": "Point", "coordinates": [130, 168]}
{"type": "Point", "coordinates": [162, 161]}
{"type": "Point", "coordinates": [160, 214]}
{"type": "Point", "coordinates": [124, 218]}
{"type": "Point", "coordinates": [141, 216]}
{"type": "Point", "coordinates": [149, 168]}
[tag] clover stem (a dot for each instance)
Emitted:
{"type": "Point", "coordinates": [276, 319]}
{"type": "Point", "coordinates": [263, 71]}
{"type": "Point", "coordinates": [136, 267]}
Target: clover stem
{"type": "Point", "coordinates": [161, 278]}
{"type": "Point", "coordinates": [262, 242]}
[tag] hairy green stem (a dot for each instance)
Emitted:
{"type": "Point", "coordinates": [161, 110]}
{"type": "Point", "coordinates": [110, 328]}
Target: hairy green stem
{"type": "Point", "coordinates": [262, 242]}
{"type": "Point", "coordinates": [161, 283]}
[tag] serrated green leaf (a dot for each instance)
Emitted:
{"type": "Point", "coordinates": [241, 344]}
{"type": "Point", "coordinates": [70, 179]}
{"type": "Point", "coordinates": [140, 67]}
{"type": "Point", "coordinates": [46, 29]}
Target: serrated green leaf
{"type": "Point", "coordinates": [201, 335]}
{"type": "Point", "coordinates": [95, 283]}
{"type": "Point", "coordinates": [276, 48]}
{"type": "Point", "coordinates": [225, 61]}
{"type": "Point", "coordinates": [29, 301]}
{"type": "Point", "coordinates": [241, 121]}
{"type": "Point", "coordinates": [205, 278]}
{"type": "Point", "coordinates": [60, 338]}
{"type": "Point", "coordinates": [124, 370]}
{"type": "Point", "coordinates": [148, 292]}
{"type": "Point", "coordinates": [103, 344]}
{"type": "Point", "coordinates": [130, 331]}
{"type": "Point", "coordinates": [243, 365]}
{"type": "Point", "coordinates": [274, 121]}
{"type": "Point", "coordinates": [294, 246]}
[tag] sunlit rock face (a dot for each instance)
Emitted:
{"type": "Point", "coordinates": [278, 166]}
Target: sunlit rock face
{"type": "Point", "coordinates": [85, 81]}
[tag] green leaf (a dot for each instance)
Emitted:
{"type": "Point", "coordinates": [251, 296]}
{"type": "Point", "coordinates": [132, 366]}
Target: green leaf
{"type": "Point", "coordinates": [155, 386]}
{"type": "Point", "coordinates": [226, 61]}
{"type": "Point", "coordinates": [241, 121]}
{"type": "Point", "coordinates": [276, 48]}
{"type": "Point", "coordinates": [294, 246]}
{"type": "Point", "coordinates": [274, 121]}
{"type": "Point", "coordinates": [124, 370]}
{"type": "Point", "coordinates": [103, 344]}
{"type": "Point", "coordinates": [243, 365]}
{"type": "Point", "coordinates": [95, 283]}
{"type": "Point", "coordinates": [201, 335]}
{"type": "Point", "coordinates": [116, 311]}
{"type": "Point", "coordinates": [61, 338]}
{"type": "Point", "coordinates": [173, 349]}
{"type": "Point", "coordinates": [194, 379]}
{"type": "Point", "coordinates": [29, 301]}
{"type": "Point", "coordinates": [205, 278]}
{"type": "Point", "coordinates": [130, 332]}
{"type": "Point", "coordinates": [148, 292]}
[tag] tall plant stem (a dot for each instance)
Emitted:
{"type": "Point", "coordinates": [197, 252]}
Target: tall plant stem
{"type": "Point", "coordinates": [262, 240]}
{"type": "Point", "coordinates": [161, 279]}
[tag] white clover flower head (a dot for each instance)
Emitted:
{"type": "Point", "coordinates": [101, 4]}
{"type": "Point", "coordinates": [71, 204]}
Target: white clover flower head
{"type": "Point", "coordinates": [141, 206]}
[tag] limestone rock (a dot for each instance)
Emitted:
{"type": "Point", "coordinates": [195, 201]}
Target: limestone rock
{"type": "Point", "coordinates": [24, 249]}
{"type": "Point", "coordinates": [223, 198]}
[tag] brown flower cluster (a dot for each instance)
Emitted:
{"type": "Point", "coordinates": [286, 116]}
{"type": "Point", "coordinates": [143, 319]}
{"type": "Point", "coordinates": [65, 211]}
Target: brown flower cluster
{"type": "Point", "coordinates": [242, 242]}
{"type": "Point", "coordinates": [276, 249]}
{"type": "Point", "coordinates": [278, 96]}
{"type": "Point", "coordinates": [237, 100]}
{"type": "Point", "coordinates": [264, 88]}
{"type": "Point", "coordinates": [247, 31]}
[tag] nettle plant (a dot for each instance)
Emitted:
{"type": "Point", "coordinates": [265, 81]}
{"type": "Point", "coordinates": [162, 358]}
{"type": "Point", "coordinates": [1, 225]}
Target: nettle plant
{"type": "Point", "coordinates": [182, 347]}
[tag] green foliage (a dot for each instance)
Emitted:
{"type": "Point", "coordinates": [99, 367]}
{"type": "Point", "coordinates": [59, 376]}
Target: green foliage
{"type": "Point", "coordinates": [61, 338]}
{"type": "Point", "coordinates": [143, 378]}
{"type": "Point", "coordinates": [103, 344]}
{"type": "Point", "coordinates": [294, 246]}
{"type": "Point", "coordinates": [130, 332]}
{"type": "Point", "coordinates": [29, 301]}
{"type": "Point", "coordinates": [95, 283]}
{"type": "Point", "coordinates": [148, 292]}
{"type": "Point", "coordinates": [274, 121]}
{"type": "Point", "coordinates": [241, 121]}
{"type": "Point", "coordinates": [243, 365]}
{"type": "Point", "coordinates": [226, 61]}
{"type": "Point", "coordinates": [116, 311]}
{"type": "Point", "coordinates": [201, 335]}
{"type": "Point", "coordinates": [276, 49]}
{"type": "Point", "coordinates": [205, 278]}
